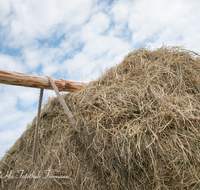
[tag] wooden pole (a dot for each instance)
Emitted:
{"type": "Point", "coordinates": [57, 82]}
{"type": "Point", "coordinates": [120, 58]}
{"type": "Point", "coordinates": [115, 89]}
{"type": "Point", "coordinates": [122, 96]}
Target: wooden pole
{"type": "Point", "coordinates": [37, 127]}
{"type": "Point", "coordinates": [20, 79]}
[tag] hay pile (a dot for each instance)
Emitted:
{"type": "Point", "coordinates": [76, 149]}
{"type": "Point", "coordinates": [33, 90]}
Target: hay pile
{"type": "Point", "coordinates": [138, 128]}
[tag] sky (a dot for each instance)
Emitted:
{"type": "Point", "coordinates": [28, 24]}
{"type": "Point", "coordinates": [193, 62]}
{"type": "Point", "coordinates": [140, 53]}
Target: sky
{"type": "Point", "coordinates": [76, 40]}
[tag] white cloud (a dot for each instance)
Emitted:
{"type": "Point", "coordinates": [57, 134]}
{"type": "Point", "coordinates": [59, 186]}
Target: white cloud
{"type": "Point", "coordinates": [31, 57]}
{"type": "Point", "coordinates": [71, 43]}
{"type": "Point", "coordinates": [4, 10]}
{"type": "Point", "coordinates": [11, 63]}
{"type": "Point", "coordinates": [99, 53]}
{"type": "Point", "coordinates": [97, 25]}
{"type": "Point", "coordinates": [42, 60]}
{"type": "Point", "coordinates": [37, 19]}
{"type": "Point", "coordinates": [49, 70]}
{"type": "Point", "coordinates": [120, 11]}
{"type": "Point", "coordinates": [27, 97]}
{"type": "Point", "coordinates": [164, 21]}
{"type": "Point", "coordinates": [13, 96]}
{"type": "Point", "coordinates": [8, 101]}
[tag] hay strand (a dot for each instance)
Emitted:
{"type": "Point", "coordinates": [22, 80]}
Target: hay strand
{"type": "Point", "coordinates": [139, 128]}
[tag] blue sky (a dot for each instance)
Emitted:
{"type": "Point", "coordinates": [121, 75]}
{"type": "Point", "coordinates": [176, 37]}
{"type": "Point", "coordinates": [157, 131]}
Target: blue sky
{"type": "Point", "coordinates": [75, 40]}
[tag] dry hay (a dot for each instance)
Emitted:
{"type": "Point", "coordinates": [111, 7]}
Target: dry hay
{"type": "Point", "coordinates": [138, 128]}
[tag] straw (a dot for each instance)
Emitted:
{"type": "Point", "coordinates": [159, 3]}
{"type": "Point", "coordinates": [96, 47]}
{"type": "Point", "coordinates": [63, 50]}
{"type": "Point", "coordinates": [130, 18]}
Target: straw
{"type": "Point", "coordinates": [139, 128]}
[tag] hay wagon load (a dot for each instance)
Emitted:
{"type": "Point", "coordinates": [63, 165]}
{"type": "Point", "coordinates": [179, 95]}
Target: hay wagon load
{"type": "Point", "coordinates": [135, 127]}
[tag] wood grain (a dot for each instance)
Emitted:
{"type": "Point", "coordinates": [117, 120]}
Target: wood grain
{"type": "Point", "coordinates": [21, 79]}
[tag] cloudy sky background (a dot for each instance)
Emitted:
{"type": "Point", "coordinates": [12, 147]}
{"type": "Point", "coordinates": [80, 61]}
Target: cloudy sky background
{"type": "Point", "coordinates": [75, 40]}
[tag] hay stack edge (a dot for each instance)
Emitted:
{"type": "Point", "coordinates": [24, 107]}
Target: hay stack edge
{"type": "Point", "coordinates": [138, 127]}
